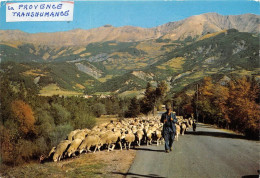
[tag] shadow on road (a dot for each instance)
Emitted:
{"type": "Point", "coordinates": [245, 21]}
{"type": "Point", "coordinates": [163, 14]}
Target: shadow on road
{"type": "Point", "coordinates": [147, 149]}
{"type": "Point", "coordinates": [251, 176]}
{"type": "Point", "coordinates": [216, 134]}
{"type": "Point", "coordinates": [137, 175]}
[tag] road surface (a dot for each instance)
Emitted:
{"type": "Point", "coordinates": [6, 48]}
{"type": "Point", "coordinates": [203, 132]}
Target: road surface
{"type": "Point", "coordinates": [207, 153]}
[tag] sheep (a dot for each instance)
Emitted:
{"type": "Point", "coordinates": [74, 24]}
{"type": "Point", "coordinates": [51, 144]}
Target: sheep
{"type": "Point", "coordinates": [139, 137]}
{"type": "Point", "coordinates": [190, 121]}
{"type": "Point", "coordinates": [149, 137]}
{"type": "Point", "coordinates": [178, 131]}
{"type": "Point", "coordinates": [60, 150]}
{"type": "Point", "coordinates": [134, 129]}
{"type": "Point", "coordinates": [52, 152]}
{"type": "Point", "coordinates": [145, 130]}
{"type": "Point", "coordinates": [158, 134]}
{"type": "Point", "coordinates": [186, 121]}
{"type": "Point", "coordinates": [88, 142]}
{"type": "Point", "coordinates": [109, 138]}
{"type": "Point", "coordinates": [153, 128]}
{"type": "Point", "coordinates": [183, 128]}
{"type": "Point", "coordinates": [118, 125]}
{"type": "Point", "coordinates": [141, 126]}
{"type": "Point", "coordinates": [129, 138]}
{"type": "Point", "coordinates": [87, 131]}
{"type": "Point", "coordinates": [73, 147]}
{"type": "Point", "coordinates": [125, 131]}
{"type": "Point", "coordinates": [80, 135]}
{"type": "Point", "coordinates": [110, 126]}
{"type": "Point", "coordinates": [179, 117]}
{"type": "Point", "coordinates": [71, 134]}
{"type": "Point", "coordinates": [118, 133]}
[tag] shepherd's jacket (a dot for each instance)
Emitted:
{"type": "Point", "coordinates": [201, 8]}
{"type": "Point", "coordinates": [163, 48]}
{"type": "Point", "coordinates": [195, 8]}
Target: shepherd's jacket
{"type": "Point", "coordinates": [169, 125]}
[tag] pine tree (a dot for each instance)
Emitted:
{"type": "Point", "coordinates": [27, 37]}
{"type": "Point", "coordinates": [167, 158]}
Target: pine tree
{"type": "Point", "coordinates": [134, 108]}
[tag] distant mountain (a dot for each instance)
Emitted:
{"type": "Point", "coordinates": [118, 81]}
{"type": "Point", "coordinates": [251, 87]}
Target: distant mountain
{"type": "Point", "coordinates": [194, 27]}
{"type": "Point", "coordinates": [124, 59]}
{"type": "Point", "coordinates": [221, 55]}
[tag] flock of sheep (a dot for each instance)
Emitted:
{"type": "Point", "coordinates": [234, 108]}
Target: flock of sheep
{"type": "Point", "coordinates": [124, 134]}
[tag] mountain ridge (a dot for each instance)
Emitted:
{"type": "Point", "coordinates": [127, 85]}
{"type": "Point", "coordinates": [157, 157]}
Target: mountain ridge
{"type": "Point", "coordinates": [194, 26]}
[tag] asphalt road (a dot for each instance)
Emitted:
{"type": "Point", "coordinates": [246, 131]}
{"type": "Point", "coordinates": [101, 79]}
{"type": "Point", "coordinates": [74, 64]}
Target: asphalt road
{"type": "Point", "coordinates": [207, 153]}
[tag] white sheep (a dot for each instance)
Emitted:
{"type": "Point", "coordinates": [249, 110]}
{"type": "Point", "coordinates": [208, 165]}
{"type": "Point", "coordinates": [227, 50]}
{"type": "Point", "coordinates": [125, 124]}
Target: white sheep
{"type": "Point", "coordinates": [139, 137]}
{"type": "Point", "coordinates": [183, 128]}
{"type": "Point", "coordinates": [71, 134]}
{"type": "Point", "coordinates": [73, 147]}
{"type": "Point", "coordinates": [149, 137]}
{"type": "Point", "coordinates": [60, 150]}
{"type": "Point", "coordinates": [80, 135]}
{"type": "Point", "coordinates": [88, 142]}
{"type": "Point", "coordinates": [178, 131]}
{"type": "Point", "coordinates": [158, 134]}
{"type": "Point", "coordinates": [52, 152]}
{"type": "Point", "coordinates": [110, 139]}
{"type": "Point", "coordinates": [126, 132]}
{"type": "Point", "coordinates": [129, 138]}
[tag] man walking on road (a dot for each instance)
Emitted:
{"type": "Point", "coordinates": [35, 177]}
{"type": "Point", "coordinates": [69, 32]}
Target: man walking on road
{"type": "Point", "coordinates": [168, 119]}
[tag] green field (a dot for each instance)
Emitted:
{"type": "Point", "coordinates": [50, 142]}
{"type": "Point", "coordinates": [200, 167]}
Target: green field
{"type": "Point", "coordinates": [53, 89]}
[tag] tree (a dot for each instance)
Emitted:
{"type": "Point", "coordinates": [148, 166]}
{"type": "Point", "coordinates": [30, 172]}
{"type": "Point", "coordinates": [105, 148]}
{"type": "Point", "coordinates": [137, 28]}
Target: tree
{"type": "Point", "coordinates": [221, 95]}
{"type": "Point", "coordinates": [148, 102]}
{"type": "Point", "coordinates": [234, 106]}
{"type": "Point", "coordinates": [204, 104]}
{"type": "Point", "coordinates": [60, 114]}
{"type": "Point", "coordinates": [98, 109]}
{"type": "Point", "coordinates": [134, 108]}
{"type": "Point", "coordinates": [161, 89]}
{"type": "Point", "coordinates": [24, 115]}
{"type": "Point", "coordinates": [153, 97]}
{"type": "Point", "coordinates": [83, 119]}
{"type": "Point", "coordinates": [44, 123]}
{"type": "Point", "coordinates": [183, 104]}
{"type": "Point", "coordinates": [7, 95]}
{"type": "Point", "coordinates": [243, 110]}
{"type": "Point", "coordinates": [178, 104]}
{"type": "Point", "coordinates": [160, 92]}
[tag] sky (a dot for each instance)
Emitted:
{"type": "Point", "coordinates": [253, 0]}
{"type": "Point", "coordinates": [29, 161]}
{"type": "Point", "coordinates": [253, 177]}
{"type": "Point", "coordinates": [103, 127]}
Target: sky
{"type": "Point", "coordinates": [147, 14]}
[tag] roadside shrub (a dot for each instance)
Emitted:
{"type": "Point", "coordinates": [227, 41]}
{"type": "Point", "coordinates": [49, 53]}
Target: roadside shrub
{"type": "Point", "coordinates": [98, 109]}
{"type": "Point", "coordinates": [24, 150]}
{"type": "Point", "coordinates": [41, 147]}
{"type": "Point", "coordinates": [45, 123]}
{"type": "Point", "coordinates": [60, 133]}
{"type": "Point", "coordinates": [7, 147]}
{"type": "Point", "coordinates": [83, 120]}
{"type": "Point", "coordinates": [60, 114]}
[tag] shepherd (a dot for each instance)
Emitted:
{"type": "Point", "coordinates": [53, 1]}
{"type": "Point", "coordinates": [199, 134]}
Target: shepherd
{"type": "Point", "coordinates": [169, 130]}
